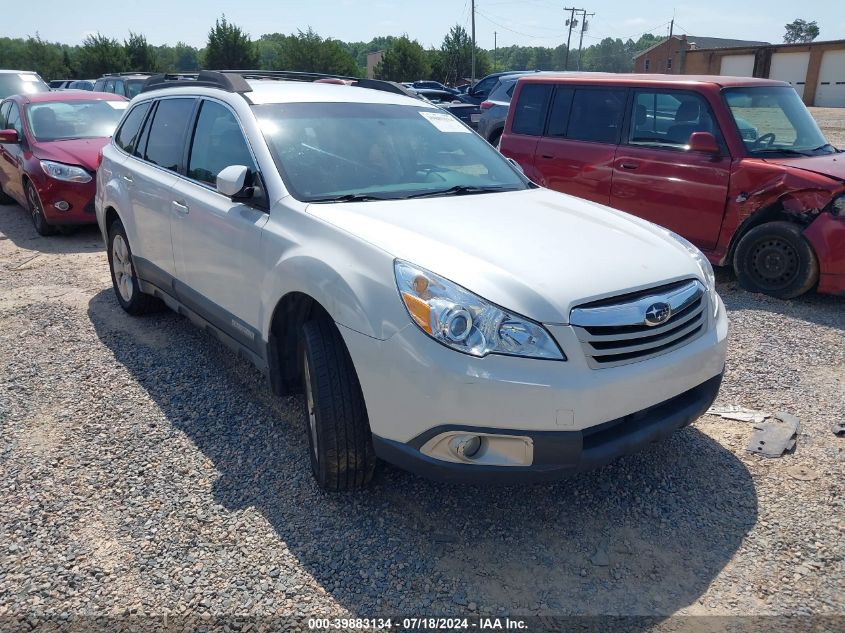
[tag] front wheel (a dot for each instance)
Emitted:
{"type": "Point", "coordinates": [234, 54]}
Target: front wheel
{"type": "Point", "coordinates": [776, 259]}
{"type": "Point", "coordinates": [36, 211]}
{"type": "Point", "coordinates": [342, 455]}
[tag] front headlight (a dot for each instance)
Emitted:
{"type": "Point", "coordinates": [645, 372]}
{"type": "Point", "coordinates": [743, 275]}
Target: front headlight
{"type": "Point", "coordinates": [68, 173]}
{"type": "Point", "coordinates": [837, 207]}
{"type": "Point", "coordinates": [705, 266]}
{"type": "Point", "coordinates": [465, 322]}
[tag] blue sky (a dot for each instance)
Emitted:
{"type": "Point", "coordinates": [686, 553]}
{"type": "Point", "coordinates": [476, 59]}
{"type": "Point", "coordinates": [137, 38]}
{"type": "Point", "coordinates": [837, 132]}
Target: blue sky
{"type": "Point", "coordinates": [525, 22]}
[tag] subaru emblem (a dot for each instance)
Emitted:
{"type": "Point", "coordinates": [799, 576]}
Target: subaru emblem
{"type": "Point", "coordinates": [657, 314]}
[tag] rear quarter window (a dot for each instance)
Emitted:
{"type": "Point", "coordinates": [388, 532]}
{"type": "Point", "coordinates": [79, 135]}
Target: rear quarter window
{"type": "Point", "coordinates": [529, 115]}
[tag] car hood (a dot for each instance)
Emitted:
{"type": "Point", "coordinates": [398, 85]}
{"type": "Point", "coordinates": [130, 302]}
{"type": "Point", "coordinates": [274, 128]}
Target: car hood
{"type": "Point", "coordinates": [82, 152]}
{"type": "Point", "coordinates": [830, 165]}
{"type": "Point", "coordinates": [535, 252]}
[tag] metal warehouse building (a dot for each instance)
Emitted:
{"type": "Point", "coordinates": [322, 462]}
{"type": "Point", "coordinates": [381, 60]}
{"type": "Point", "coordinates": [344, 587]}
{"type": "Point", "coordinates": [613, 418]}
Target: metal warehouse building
{"type": "Point", "coordinates": [816, 70]}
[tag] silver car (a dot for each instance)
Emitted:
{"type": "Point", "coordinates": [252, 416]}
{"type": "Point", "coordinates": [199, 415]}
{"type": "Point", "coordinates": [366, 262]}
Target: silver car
{"type": "Point", "coordinates": [494, 111]}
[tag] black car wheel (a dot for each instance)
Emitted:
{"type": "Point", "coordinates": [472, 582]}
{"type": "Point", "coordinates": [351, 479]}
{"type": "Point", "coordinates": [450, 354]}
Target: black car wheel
{"type": "Point", "coordinates": [36, 211]}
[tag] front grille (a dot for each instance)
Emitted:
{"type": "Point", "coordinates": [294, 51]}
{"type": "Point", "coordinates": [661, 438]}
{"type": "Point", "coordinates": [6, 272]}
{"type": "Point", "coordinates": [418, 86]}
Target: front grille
{"type": "Point", "coordinates": [616, 331]}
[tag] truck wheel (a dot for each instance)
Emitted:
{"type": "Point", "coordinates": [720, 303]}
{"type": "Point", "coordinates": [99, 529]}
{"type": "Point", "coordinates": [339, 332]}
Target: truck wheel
{"type": "Point", "coordinates": [342, 455]}
{"type": "Point", "coordinates": [42, 227]}
{"type": "Point", "coordinates": [777, 260]}
{"type": "Point", "coordinates": [123, 278]}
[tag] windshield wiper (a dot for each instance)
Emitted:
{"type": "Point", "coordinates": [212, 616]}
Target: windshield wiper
{"type": "Point", "coordinates": [784, 150]}
{"type": "Point", "coordinates": [825, 146]}
{"type": "Point", "coordinates": [350, 197]}
{"type": "Point", "coordinates": [459, 190]}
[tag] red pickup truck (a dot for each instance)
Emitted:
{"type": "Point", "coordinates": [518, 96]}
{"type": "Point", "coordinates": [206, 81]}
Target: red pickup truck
{"type": "Point", "coordinates": [736, 165]}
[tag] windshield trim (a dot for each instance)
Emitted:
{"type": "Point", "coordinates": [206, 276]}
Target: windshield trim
{"type": "Point", "coordinates": [381, 196]}
{"type": "Point", "coordinates": [783, 153]}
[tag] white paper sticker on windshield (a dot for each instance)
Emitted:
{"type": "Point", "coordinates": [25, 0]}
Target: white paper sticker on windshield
{"type": "Point", "coordinates": [445, 122]}
{"type": "Point", "coordinates": [118, 105]}
{"type": "Point", "coordinates": [23, 77]}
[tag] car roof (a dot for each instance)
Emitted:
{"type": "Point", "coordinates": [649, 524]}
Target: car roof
{"type": "Point", "coordinates": [266, 91]}
{"type": "Point", "coordinates": [69, 95]}
{"type": "Point", "coordinates": [635, 78]}
{"type": "Point", "coordinates": [18, 72]}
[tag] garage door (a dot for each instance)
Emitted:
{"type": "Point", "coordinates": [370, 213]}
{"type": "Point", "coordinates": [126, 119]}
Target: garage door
{"type": "Point", "coordinates": [831, 89]}
{"type": "Point", "coordinates": [791, 67]}
{"type": "Point", "coordinates": [737, 65]}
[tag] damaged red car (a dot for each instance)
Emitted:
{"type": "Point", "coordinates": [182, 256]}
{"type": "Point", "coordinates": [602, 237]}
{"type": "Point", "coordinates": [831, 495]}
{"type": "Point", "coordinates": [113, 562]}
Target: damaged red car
{"type": "Point", "coordinates": [49, 152]}
{"type": "Point", "coordinates": [736, 165]}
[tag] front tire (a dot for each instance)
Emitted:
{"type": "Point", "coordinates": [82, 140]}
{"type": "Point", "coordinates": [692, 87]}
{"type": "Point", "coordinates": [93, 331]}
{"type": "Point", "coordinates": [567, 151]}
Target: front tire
{"type": "Point", "coordinates": [339, 437]}
{"type": "Point", "coordinates": [36, 211]}
{"type": "Point", "coordinates": [123, 277]}
{"type": "Point", "coordinates": [776, 259]}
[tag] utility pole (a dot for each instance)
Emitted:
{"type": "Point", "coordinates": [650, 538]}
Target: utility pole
{"type": "Point", "coordinates": [495, 51]}
{"type": "Point", "coordinates": [473, 43]}
{"type": "Point", "coordinates": [571, 22]}
{"type": "Point", "coordinates": [584, 15]}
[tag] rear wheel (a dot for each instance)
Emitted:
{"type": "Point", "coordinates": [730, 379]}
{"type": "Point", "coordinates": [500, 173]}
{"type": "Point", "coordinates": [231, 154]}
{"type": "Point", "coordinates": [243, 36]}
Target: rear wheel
{"type": "Point", "coordinates": [342, 455]}
{"type": "Point", "coordinates": [123, 276]}
{"type": "Point", "coordinates": [776, 259]}
{"type": "Point", "coordinates": [42, 226]}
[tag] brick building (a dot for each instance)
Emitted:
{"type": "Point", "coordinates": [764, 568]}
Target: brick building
{"type": "Point", "coordinates": [816, 70]}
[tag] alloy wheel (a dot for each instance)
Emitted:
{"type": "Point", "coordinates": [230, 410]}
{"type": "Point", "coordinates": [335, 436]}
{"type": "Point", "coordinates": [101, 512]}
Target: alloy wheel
{"type": "Point", "coordinates": [309, 402]}
{"type": "Point", "coordinates": [122, 267]}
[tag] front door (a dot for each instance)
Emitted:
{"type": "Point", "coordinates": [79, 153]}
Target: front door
{"type": "Point", "coordinates": [576, 153]}
{"type": "Point", "coordinates": [657, 177]}
{"type": "Point", "coordinates": [216, 240]}
{"type": "Point", "coordinates": [12, 154]}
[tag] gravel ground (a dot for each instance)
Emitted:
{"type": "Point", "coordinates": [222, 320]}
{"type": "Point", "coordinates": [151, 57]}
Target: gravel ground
{"type": "Point", "coordinates": [146, 470]}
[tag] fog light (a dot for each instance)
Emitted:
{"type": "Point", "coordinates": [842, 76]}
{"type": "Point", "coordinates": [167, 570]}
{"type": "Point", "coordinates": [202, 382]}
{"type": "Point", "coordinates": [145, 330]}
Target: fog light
{"type": "Point", "coordinates": [61, 205]}
{"type": "Point", "coordinates": [465, 446]}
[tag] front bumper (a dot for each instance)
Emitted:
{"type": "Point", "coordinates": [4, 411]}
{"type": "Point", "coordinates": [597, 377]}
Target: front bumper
{"type": "Point", "coordinates": [79, 197]}
{"type": "Point", "coordinates": [413, 387]}
{"type": "Point", "coordinates": [558, 454]}
{"type": "Point", "coordinates": [827, 236]}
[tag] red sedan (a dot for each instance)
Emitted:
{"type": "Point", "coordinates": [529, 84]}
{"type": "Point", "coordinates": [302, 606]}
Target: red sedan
{"type": "Point", "coordinates": [49, 147]}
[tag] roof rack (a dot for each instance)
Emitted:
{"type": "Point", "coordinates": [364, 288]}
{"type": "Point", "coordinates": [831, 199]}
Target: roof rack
{"type": "Point", "coordinates": [128, 73]}
{"type": "Point", "coordinates": [236, 80]}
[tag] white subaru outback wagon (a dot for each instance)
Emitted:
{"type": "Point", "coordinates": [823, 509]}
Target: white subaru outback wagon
{"type": "Point", "coordinates": [439, 311]}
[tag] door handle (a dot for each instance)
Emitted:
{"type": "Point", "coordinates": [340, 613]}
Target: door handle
{"type": "Point", "coordinates": [181, 207]}
{"type": "Point", "coordinates": [629, 164]}
{"type": "Point", "coordinates": [127, 178]}
{"type": "Point", "coordinates": [546, 156]}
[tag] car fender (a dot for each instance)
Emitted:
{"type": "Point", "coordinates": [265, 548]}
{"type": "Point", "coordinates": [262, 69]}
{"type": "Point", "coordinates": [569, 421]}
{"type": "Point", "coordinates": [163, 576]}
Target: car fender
{"type": "Point", "coordinates": [112, 194]}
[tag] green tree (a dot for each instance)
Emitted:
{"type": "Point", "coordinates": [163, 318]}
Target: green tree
{"type": "Point", "coordinates": [610, 55]}
{"type": "Point", "coordinates": [140, 55]}
{"type": "Point", "coordinates": [800, 30]}
{"type": "Point", "coordinates": [100, 54]}
{"type": "Point", "coordinates": [229, 47]}
{"type": "Point", "coordinates": [308, 52]}
{"type": "Point", "coordinates": [455, 59]}
{"type": "Point", "coordinates": [404, 60]}
{"type": "Point", "coordinates": [45, 58]}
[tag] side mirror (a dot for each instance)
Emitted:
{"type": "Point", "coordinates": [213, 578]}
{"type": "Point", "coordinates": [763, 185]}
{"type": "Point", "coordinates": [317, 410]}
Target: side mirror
{"type": "Point", "coordinates": [9, 137]}
{"type": "Point", "coordinates": [232, 182]}
{"type": "Point", "coordinates": [703, 142]}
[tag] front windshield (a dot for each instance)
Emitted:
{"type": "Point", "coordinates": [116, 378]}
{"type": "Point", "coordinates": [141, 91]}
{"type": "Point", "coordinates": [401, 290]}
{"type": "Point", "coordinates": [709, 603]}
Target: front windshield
{"type": "Point", "coordinates": [56, 121]}
{"type": "Point", "coordinates": [774, 120]}
{"type": "Point", "coordinates": [327, 151]}
{"type": "Point", "coordinates": [21, 84]}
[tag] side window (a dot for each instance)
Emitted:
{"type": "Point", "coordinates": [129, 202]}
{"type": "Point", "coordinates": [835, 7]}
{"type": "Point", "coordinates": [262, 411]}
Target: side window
{"type": "Point", "coordinates": [596, 115]}
{"type": "Point", "coordinates": [167, 132]}
{"type": "Point", "coordinates": [559, 115]}
{"type": "Point", "coordinates": [668, 118]}
{"type": "Point", "coordinates": [109, 87]}
{"type": "Point", "coordinates": [217, 143]}
{"type": "Point", "coordinates": [99, 86]}
{"type": "Point", "coordinates": [14, 120]}
{"type": "Point", "coordinates": [129, 132]}
{"type": "Point", "coordinates": [530, 113]}
{"type": "Point", "coordinates": [484, 87]}
{"type": "Point", "coordinates": [4, 115]}
{"type": "Point", "coordinates": [119, 87]}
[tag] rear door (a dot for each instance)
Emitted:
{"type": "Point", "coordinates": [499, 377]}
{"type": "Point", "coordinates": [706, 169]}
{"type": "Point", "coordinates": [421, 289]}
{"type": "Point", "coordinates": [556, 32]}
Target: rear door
{"type": "Point", "coordinates": [656, 176]}
{"type": "Point", "coordinates": [576, 153]}
{"type": "Point", "coordinates": [216, 240]}
{"type": "Point", "coordinates": [150, 179]}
